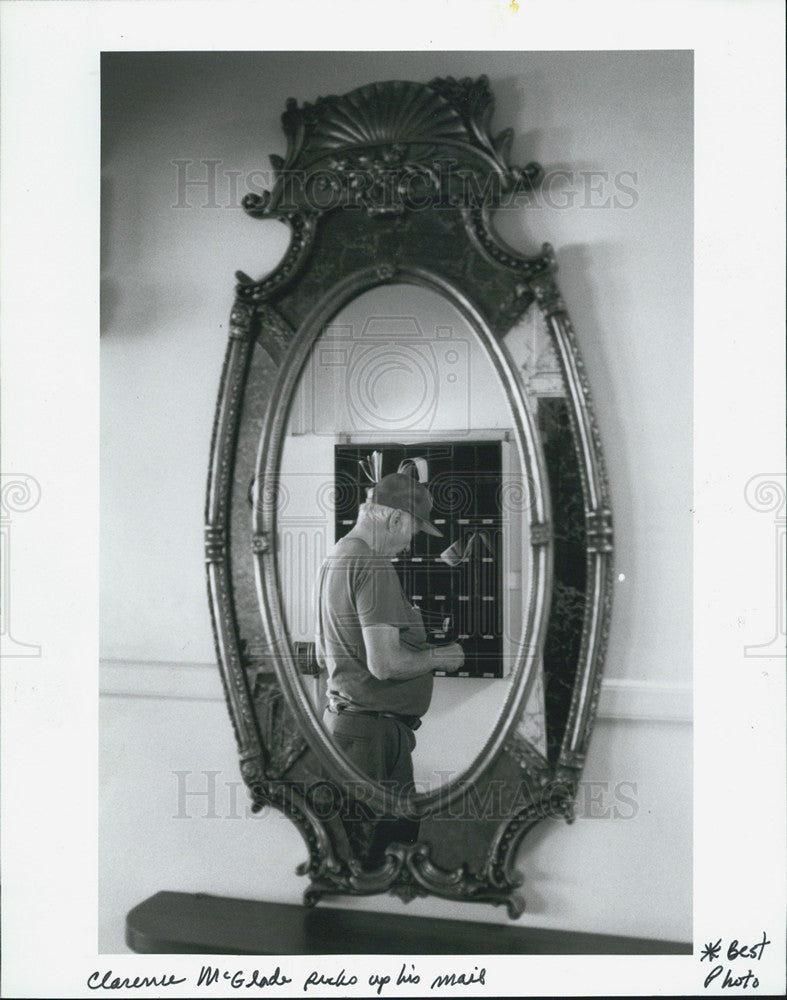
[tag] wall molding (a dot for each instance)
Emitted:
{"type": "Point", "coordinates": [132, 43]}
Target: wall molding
{"type": "Point", "coordinates": [652, 701]}
{"type": "Point", "coordinates": [160, 679]}
{"type": "Point", "coordinates": [634, 700]}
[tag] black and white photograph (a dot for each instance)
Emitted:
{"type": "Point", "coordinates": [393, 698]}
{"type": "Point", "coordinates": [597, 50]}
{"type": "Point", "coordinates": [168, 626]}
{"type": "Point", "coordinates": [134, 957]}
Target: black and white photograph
{"type": "Point", "coordinates": [419, 652]}
{"type": "Point", "coordinates": [417, 481]}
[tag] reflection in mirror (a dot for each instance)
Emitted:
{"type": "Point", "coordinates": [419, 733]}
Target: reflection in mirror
{"type": "Point", "coordinates": [532, 353]}
{"type": "Point", "coordinates": [400, 380]}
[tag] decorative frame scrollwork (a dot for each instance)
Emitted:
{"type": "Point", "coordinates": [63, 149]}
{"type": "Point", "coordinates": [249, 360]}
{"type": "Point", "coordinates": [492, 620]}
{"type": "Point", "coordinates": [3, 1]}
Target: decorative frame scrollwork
{"type": "Point", "coordinates": [393, 183]}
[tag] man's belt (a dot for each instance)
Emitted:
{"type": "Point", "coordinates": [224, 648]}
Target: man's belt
{"type": "Point", "coordinates": [408, 720]}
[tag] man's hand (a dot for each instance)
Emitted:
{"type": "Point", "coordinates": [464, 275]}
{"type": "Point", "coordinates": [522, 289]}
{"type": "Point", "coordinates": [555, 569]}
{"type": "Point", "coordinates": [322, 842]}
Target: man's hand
{"type": "Point", "coordinates": [449, 658]}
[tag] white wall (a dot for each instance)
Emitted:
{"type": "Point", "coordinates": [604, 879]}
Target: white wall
{"type": "Point", "coordinates": [624, 250]}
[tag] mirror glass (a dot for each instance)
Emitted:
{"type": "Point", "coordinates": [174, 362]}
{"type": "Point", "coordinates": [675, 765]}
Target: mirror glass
{"type": "Point", "coordinates": [400, 380]}
{"type": "Point", "coordinates": [530, 348]}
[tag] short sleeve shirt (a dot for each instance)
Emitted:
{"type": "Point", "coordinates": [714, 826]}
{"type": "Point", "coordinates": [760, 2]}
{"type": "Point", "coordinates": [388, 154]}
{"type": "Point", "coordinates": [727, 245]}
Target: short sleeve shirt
{"type": "Point", "coordinates": [355, 588]}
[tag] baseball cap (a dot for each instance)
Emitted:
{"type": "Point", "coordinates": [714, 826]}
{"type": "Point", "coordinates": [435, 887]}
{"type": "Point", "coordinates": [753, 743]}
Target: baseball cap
{"type": "Point", "coordinates": [403, 492]}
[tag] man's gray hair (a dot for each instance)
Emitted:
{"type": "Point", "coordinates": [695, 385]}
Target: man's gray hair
{"type": "Point", "coordinates": [373, 513]}
{"type": "Point", "coordinates": [376, 513]}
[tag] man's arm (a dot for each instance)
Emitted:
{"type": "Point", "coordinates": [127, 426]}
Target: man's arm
{"type": "Point", "coordinates": [389, 659]}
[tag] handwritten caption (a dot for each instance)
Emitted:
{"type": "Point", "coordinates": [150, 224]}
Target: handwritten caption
{"type": "Point", "coordinates": [730, 975]}
{"type": "Point", "coordinates": [210, 975]}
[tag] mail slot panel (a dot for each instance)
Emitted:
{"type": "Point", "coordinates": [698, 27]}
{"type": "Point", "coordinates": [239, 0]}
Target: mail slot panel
{"type": "Point", "coordinates": [465, 480]}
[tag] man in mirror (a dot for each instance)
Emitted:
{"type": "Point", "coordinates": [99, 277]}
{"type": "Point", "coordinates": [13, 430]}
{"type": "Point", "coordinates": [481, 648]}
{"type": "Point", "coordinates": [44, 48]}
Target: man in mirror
{"type": "Point", "coordinates": [372, 642]}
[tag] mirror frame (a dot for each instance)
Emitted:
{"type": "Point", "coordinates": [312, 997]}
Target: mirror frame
{"type": "Point", "coordinates": [412, 191]}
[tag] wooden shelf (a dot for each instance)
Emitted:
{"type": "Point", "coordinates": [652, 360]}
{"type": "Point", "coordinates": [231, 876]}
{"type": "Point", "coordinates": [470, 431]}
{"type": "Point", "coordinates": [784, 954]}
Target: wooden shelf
{"type": "Point", "coordinates": [177, 923]}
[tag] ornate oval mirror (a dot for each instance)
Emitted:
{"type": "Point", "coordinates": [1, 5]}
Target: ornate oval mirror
{"type": "Point", "coordinates": [403, 363]}
{"type": "Point", "coordinates": [399, 376]}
